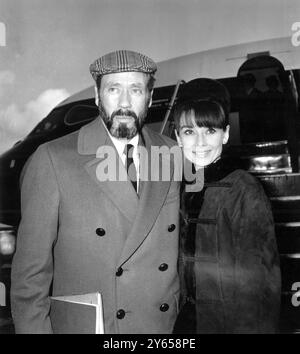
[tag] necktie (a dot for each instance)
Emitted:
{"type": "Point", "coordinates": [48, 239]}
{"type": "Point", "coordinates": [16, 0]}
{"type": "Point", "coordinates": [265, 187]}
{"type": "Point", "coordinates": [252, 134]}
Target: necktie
{"type": "Point", "coordinates": [129, 165]}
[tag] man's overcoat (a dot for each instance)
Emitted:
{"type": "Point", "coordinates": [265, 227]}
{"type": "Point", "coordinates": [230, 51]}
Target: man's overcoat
{"type": "Point", "coordinates": [79, 235]}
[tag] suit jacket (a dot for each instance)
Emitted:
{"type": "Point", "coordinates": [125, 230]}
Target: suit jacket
{"type": "Point", "coordinates": [79, 235]}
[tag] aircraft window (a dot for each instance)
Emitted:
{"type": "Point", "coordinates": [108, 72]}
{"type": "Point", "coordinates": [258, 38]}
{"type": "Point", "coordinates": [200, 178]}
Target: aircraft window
{"type": "Point", "coordinates": [48, 124]}
{"type": "Point", "coordinates": [44, 127]}
{"type": "Point", "coordinates": [80, 114]}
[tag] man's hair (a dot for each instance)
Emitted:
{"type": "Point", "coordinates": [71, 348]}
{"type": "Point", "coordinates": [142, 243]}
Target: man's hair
{"type": "Point", "coordinates": [204, 113]}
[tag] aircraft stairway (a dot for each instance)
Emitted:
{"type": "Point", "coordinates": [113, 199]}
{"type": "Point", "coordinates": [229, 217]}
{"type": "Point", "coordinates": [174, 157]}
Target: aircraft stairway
{"type": "Point", "coordinates": [284, 193]}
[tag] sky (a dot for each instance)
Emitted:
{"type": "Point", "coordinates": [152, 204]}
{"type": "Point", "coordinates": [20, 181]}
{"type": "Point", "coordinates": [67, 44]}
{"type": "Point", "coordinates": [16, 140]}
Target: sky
{"type": "Point", "coordinates": [46, 46]}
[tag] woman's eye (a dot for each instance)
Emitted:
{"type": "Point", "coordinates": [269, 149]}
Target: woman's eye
{"type": "Point", "coordinates": [188, 132]}
{"type": "Point", "coordinates": [211, 130]}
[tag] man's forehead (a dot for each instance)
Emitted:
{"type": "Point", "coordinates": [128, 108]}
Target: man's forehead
{"type": "Point", "coordinates": [131, 77]}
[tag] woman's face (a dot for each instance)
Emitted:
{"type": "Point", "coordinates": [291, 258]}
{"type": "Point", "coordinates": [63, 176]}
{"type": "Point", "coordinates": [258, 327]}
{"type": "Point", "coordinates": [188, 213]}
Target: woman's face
{"type": "Point", "coordinates": [201, 145]}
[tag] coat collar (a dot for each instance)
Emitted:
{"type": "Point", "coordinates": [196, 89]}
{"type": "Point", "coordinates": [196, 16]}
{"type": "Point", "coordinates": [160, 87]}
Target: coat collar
{"type": "Point", "coordinates": [214, 172]}
{"type": "Point", "coordinates": [141, 212]}
{"type": "Point", "coordinates": [152, 198]}
{"type": "Point", "coordinates": [91, 136]}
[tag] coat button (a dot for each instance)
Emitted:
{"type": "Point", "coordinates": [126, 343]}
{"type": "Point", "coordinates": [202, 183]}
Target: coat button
{"type": "Point", "coordinates": [120, 314]}
{"type": "Point", "coordinates": [164, 307]}
{"type": "Point", "coordinates": [163, 267]}
{"type": "Point", "coordinates": [100, 231]}
{"type": "Point", "coordinates": [171, 227]}
{"type": "Point", "coordinates": [119, 272]}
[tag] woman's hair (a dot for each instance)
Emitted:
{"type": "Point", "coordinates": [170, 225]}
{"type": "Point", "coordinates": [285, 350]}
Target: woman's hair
{"type": "Point", "coordinates": [206, 113]}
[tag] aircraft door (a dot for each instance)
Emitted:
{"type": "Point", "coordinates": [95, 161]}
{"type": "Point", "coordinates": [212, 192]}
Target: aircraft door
{"type": "Point", "coordinates": [266, 104]}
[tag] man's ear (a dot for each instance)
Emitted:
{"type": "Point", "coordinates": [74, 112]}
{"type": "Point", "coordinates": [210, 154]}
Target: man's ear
{"type": "Point", "coordinates": [178, 138]}
{"type": "Point", "coordinates": [150, 101]}
{"type": "Point", "coordinates": [96, 95]}
{"type": "Point", "coordinates": [226, 135]}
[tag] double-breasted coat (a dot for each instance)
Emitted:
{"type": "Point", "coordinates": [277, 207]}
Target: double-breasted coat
{"type": "Point", "coordinates": [80, 235]}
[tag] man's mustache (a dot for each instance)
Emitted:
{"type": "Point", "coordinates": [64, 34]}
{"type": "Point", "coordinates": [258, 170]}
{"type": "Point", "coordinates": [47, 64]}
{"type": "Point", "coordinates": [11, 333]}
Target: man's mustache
{"type": "Point", "coordinates": [125, 113]}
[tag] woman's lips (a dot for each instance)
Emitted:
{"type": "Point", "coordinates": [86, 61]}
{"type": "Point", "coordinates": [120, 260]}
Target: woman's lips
{"type": "Point", "coordinates": [201, 153]}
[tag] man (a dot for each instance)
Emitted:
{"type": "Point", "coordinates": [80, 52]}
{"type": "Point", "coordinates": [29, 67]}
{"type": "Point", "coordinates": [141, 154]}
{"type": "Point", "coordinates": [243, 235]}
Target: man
{"type": "Point", "coordinates": [274, 111]}
{"type": "Point", "coordinates": [81, 233]}
{"type": "Point", "coordinates": [251, 107]}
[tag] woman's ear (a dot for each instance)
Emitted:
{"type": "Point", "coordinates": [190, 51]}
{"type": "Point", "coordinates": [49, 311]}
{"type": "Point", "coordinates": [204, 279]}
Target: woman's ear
{"type": "Point", "coordinates": [226, 135]}
{"type": "Point", "coordinates": [178, 139]}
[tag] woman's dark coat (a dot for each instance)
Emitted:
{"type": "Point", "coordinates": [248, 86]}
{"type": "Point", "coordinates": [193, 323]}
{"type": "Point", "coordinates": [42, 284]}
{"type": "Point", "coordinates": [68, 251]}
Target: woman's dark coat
{"type": "Point", "coordinates": [229, 263]}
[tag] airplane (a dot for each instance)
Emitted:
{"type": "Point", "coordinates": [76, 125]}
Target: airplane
{"type": "Point", "coordinates": [270, 151]}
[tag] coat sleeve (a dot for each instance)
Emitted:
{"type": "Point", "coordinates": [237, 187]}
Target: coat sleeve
{"type": "Point", "coordinates": [257, 270]}
{"type": "Point", "coordinates": [32, 266]}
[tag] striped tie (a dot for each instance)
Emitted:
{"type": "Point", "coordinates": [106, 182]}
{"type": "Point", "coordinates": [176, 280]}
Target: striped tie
{"type": "Point", "coordinates": [129, 164]}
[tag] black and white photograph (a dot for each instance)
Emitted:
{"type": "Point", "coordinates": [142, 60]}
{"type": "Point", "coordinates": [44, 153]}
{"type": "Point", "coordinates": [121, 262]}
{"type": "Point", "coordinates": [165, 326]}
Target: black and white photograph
{"type": "Point", "coordinates": [150, 169]}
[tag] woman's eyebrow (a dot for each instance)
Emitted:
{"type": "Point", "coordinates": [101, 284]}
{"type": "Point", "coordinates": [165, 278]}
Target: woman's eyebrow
{"type": "Point", "coordinates": [186, 126]}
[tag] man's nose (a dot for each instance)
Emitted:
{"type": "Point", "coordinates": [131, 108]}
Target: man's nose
{"type": "Point", "coordinates": [125, 101]}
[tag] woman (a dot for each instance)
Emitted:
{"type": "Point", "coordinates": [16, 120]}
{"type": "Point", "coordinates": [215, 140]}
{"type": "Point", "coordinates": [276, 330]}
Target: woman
{"type": "Point", "coordinates": [229, 263]}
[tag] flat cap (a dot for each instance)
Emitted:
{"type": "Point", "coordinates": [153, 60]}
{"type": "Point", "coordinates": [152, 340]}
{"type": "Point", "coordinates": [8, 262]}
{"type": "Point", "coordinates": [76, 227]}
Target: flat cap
{"type": "Point", "coordinates": [122, 61]}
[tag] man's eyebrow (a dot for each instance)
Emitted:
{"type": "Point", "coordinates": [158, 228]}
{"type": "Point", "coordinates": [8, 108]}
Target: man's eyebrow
{"type": "Point", "coordinates": [116, 83]}
{"type": "Point", "coordinates": [137, 84]}
{"type": "Point", "coordinates": [109, 83]}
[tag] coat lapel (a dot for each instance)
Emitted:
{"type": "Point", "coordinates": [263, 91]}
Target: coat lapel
{"type": "Point", "coordinates": [152, 197]}
{"type": "Point", "coordinates": [94, 140]}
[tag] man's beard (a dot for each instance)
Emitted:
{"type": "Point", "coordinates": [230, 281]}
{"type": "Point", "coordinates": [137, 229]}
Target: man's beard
{"type": "Point", "coordinates": [123, 130]}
